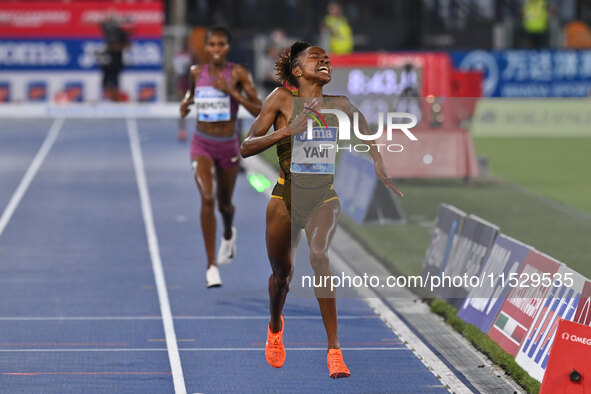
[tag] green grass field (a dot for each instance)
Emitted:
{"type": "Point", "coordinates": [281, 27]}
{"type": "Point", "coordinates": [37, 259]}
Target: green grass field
{"type": "Point", "coordinates": [538, 194]}
{"type": "Point", "coordinates": [557, 168]}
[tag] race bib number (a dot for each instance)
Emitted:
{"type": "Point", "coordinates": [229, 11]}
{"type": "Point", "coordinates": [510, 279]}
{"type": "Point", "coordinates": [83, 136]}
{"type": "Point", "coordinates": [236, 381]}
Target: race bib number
{"type": "Point", "coordinates": [212, 104]}
{"type": "Point", "coordinates": [316, 155]}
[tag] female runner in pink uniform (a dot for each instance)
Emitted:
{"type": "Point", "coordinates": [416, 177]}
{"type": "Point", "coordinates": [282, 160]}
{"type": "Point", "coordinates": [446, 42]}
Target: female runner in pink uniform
{"type": "Point", "coordinates": [216, 89]}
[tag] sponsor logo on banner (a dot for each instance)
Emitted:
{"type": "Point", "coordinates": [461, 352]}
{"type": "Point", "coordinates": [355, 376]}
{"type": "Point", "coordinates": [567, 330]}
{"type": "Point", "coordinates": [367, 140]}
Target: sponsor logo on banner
{"type": "Point", "coordinates": [37, 91]}
{"type": "Point", "coordinates": [4, 92]}
{"type": "Point", "coordinates": [521, 306]}
{"type": "Point", "coordinates": [448, 223]}
{"type": "Point", "coordinates": [533, 73]}
{"type": "Point", "coordinates": [75, 54]}
{"type": "Point", "coordinates": [575, 338]}
{"type": "Point", "coordinates": [467, 256]}
{"type": "Point", "coordinates": [561, 303]}
{"type": "Point", "coordinates": [583, 315]}
{"type": "Point", "coordinates": [571, 351]}
{"type": "Point", "coordinates": [52, 38]}
{"type": "Point", "coordinates": [146, 92]}
{"type": "Point", "coordinates": [74, 91]}
{"type": "Point", "coordinates": [78, 19]}
{"type": "Point", "coordinates": [505, 257]}
{"type": "Point", "coordinates": [532, 117]}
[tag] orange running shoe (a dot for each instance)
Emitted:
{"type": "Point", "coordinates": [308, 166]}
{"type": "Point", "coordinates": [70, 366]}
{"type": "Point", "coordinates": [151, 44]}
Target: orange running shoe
{"type": "Point", "coordinates": [336, 365]}
{"type": "Point", "coordinates": [274, 349]}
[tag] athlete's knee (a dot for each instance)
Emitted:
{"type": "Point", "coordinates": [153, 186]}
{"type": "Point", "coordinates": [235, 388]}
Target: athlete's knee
{"type": "Point", "coordinates": [226, 208]}
{"type": "Point", "coordinates": [319, 260]}
{"type": "Point", "coordinates": [207, 202]}
{"type": "Point", "coordinates": [282, 278]}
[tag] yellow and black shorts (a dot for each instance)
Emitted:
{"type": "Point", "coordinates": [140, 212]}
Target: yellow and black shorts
{"type": "Point", "coordinates": [301, 203]}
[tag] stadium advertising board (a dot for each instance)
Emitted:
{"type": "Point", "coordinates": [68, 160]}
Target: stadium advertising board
{"type": "Point", "coordinates": [447, 224]}
{"type": "Point", "coordinates": [532, 118]}
{"type": "Point", "coordinates": [583, 314]}
{"type": "Point", "coordinates": [569, 368]}
{"type": "Point", "coordinates": [355, 182]}
{"type": "Point", "coordinates": [505, 257]}
{"type": "Point", "coordinates": [530, 73]}
{"type": "Point", "coordinates": [45, 41]}
{"type": "Point", "coordinates": [525, 299]}
{"type": "Point", "coordinates": [561, 303]}
{"type": "Point", "coordinates": [467, 256]}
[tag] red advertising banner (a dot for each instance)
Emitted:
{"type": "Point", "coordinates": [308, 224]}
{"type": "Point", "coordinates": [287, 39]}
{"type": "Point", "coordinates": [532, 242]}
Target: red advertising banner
{"type": "Point", "coordinates": [40, 19]}
{"type": "Point", "coordinates": [529, 291]}
{"type": "Point", "coordinates": [569, 369]}
{"type": "Point", "coordinates": [583, 314]}
{"type": "Point", "coordinates": [438, 153]}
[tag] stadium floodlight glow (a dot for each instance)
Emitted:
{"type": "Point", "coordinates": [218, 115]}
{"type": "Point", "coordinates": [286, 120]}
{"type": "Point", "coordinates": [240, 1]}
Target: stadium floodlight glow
{"type": "Point", "coordinates": [259, 182]}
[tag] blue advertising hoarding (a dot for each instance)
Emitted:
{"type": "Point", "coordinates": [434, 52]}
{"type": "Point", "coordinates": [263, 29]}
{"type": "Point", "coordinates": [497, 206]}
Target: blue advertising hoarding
{"type": "Point", "coordinates": [75, 54]}
{"type": "Point", "coordinates": [483, 303]}
{"type": "Point", "coordinates": [529, 73]}
{"type": "Point", "coordinates": [355, 182]}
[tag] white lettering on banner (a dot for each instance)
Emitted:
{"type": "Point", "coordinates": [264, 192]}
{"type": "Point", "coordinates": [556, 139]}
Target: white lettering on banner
{"type": "Point", "coordinates": [136, 16]}
{"type": "Point", "coordinates": [33, 54]}
{"type": "Point", "coordinates": [527, 299]}
{"type": "Point", "coordinates": [540, 65]}
{"type": "Point", "coordinates": [143, 54]}
{"type": "Point", "coordinates": [517, 67]}
{"type": "Point", "coordinates": [139, 54]}
{"type": "Point", "coordinates": [585, 70]}
{"type": "Point", "coordinates": [22, 18]}
{"type": "Point", "coordinates": [525, 90]}
{"type": "Point", "coordinates": [565, 65]}
{"type": "Point", "coordinates": [585, 312]}
{"type": "Point", "coordinates": [482, 296]}
{"type": "Point", "coordinates": [90, 51]}
{"type": "Point", "coordinates": [469, 252]}
{"type": "Point", "coordinates": [575, 338]}
{"type": "Point", "coordinates": [436, 249]}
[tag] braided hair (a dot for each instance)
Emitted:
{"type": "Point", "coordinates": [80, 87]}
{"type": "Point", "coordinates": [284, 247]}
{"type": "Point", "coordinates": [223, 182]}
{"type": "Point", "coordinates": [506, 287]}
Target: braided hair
{"type": "Point", "coordinates": [287, 61]}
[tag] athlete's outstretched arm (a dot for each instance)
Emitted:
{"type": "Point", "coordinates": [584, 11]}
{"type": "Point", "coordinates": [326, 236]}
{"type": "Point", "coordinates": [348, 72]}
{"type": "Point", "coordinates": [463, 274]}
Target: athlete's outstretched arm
{"type": "Point", "coordinates": [273, 112]}
{"type": "Point", "coordinates": [378, 162]}
{"type": "Point", "coordinates": [188, 99]}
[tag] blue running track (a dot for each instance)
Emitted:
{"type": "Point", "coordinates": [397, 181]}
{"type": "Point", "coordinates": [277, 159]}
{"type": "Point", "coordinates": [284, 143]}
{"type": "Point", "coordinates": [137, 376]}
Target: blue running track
{"type": "Point", "coordinates": [80, 310]}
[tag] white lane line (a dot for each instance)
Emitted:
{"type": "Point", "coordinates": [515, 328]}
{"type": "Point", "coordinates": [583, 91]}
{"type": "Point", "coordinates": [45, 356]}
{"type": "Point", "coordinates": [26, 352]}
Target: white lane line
{"type": "Point", "coordinates": [106, 318]}
{"type": "Point", "coordinates": [203, 349]}
{"type": "Point", "coordinates": [403, 332]}
{"type": "Point", "coordinates": [31, 172]}
{"type": "Point", "coordinates": [167, 320]}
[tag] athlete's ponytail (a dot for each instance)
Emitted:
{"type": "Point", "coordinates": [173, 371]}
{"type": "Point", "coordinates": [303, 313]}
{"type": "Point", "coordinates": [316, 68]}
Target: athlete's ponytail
{"type": "Point", "coordinates": [287, 61]}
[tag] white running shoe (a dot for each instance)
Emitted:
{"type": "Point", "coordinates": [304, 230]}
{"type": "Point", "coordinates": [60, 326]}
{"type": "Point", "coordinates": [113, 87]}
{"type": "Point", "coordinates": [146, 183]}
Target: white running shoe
{"type": "Point", "coordinates": [227, 249]}
{"type": "Point", "coordinates": [213, 277]}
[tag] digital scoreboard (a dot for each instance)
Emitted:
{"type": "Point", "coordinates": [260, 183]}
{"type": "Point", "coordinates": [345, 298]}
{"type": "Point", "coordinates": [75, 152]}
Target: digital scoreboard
{"type": "Point", "coordinates": [377, 90]}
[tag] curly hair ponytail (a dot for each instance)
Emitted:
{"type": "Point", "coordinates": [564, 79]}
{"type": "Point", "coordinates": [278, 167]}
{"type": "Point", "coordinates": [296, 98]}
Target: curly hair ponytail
{"type": "Point", "coordinates": [287, 61]}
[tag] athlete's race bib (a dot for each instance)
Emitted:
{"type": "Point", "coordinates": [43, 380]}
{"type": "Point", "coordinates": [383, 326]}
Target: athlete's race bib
{"type": "Point", "coordinates": [316, 155]}
{"type": "Point", "coordinates": [212, 104]}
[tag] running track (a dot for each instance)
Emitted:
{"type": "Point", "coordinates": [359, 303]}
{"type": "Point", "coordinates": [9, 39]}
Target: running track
{"type": "Point", "coordinates": [102, 278]}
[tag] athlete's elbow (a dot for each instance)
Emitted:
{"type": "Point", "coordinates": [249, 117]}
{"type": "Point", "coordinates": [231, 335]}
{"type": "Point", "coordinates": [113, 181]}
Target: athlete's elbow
{"type": "Point", "coordinates": [245, 151]}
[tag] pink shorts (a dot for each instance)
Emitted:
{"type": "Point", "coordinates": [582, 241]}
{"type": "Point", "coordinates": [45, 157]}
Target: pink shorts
{"type": "Point", "coordinates": [224, 151]}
